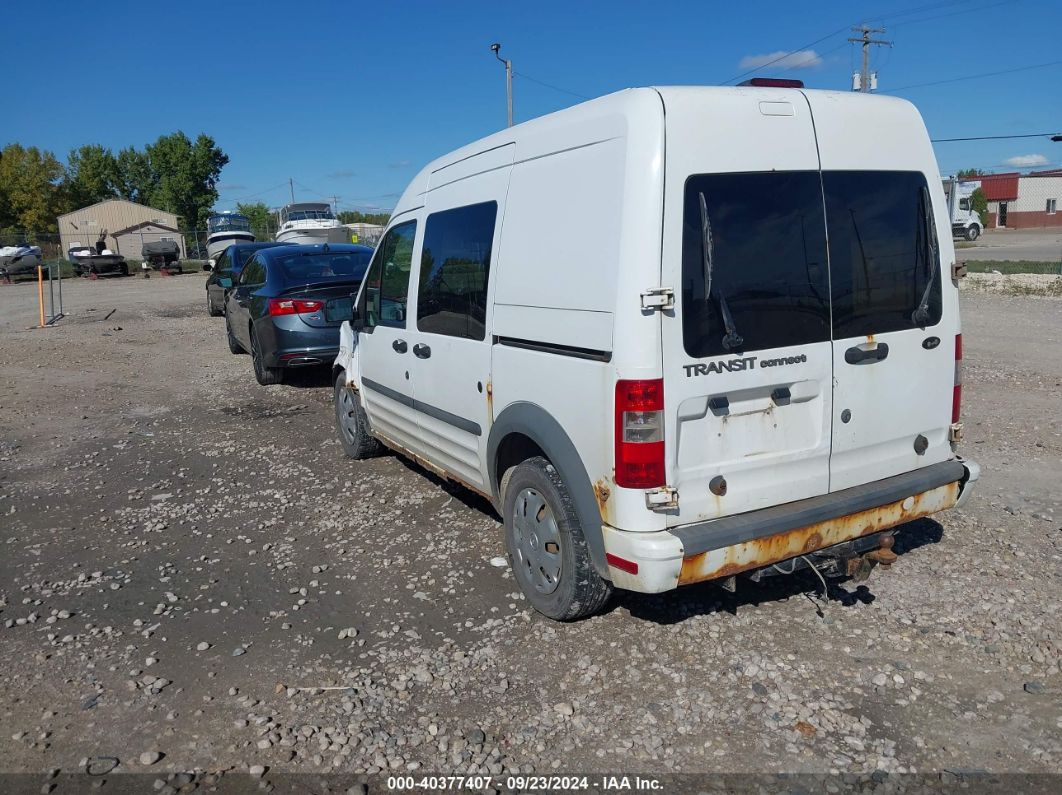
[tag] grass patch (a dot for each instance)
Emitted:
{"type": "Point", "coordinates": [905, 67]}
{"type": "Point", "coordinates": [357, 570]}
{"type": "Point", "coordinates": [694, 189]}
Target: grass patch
{"type": "Point", "coordinates": [1017, 266]}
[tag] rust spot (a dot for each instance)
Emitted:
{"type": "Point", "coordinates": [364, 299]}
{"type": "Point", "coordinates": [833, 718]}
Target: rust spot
{"type": "Point", "coordinates": [428, 465]}
{"type": "Point", "coordinates": [602, 491]}
{"type": "Point", "coordinates": [490, 400]}
{"type": "Point", "coordinates": [761, 552]}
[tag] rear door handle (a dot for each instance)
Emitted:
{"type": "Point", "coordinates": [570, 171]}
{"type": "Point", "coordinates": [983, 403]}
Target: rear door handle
{"type": "Point", "coordinates": [857, 355]}
{"type": "Point", "coordinates": [421, 351]}
{"type": "Point", "coordinates": [399, 346]}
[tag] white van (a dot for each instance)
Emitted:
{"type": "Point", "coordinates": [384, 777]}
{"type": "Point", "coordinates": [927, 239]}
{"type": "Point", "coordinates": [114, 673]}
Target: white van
{"type": "Point", "coordinates": [674, 335]}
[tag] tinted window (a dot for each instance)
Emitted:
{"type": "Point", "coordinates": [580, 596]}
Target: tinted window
{"type": "Point", "coordinates": [880, 263]}
{"type": "Point", "coordinates": [383, 301]}
{"type": "Point", "coordinates": [253, 273]}
{"type": "Point", "coordinates": [454, 268]}
{"type": "Point", "coordinates": [768, 255]}
{"type": "Point", "coordinates": [334, 266]}
{"type": "Point", "coordinates": [224, 265]}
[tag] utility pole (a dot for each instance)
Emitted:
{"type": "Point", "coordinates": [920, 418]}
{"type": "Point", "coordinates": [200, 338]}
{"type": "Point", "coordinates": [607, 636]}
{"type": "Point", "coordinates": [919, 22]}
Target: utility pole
{"type": "Point", "coordinates": [335, 204]}
{"type": "Point", "coordinates": [864, 81]}
{"type": "Point", "coordinates": [291, 184]}
{"type": "Point", "coordinates": [496, 48]}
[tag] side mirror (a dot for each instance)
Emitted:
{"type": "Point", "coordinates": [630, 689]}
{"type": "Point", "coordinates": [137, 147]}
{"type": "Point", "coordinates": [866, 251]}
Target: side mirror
{"type": "Point", "coordinates": [209, 265]}
{"type": "Point", "coordinates": [225, 282]}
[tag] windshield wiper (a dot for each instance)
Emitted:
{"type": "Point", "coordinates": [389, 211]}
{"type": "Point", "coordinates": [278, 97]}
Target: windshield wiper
{"type": "Point", "coordinates": [920, 317]}
{"type": "Point", "coordinates": [731, 340]}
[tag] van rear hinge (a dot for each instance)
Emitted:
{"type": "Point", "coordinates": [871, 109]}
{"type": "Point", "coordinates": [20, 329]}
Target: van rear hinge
{"type": "Point", "coordinates": [958, 271]}
{"type": "Point", "coordinates": [658, 298]}
{"type": "Point", "coordinates": [955, 433]}
{"type": "Point", "coordinates": [664, 498]}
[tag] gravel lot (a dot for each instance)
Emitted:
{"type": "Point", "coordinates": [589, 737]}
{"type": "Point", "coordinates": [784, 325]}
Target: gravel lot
{"type": "Point", "coordinates": [193, 578]}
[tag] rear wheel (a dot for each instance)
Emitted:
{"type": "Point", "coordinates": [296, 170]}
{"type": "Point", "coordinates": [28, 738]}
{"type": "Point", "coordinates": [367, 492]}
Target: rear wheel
{"type": "Point", "coordinates": [352, 424]}
{"type": "Point", "coordinates": [973, 232]}
{"type": "Point", "coordinates": [125, 269]}
{"type": "Point", "coordinates": [265, 375]}
{"type": "Point", "coordinates": [234, 344]}
{"type": "Point", "coordinates": [547, 549]}
{"type": "Point", "coordinates": [212, 310]}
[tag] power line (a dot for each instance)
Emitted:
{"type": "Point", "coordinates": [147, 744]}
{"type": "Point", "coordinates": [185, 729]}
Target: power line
{"type": "Point", "coordinates": [974, 77]}
{"type": "Point", "coordinates": [992, 137]}
{"type": "Point", "coordinates": [548, 85]}
{"type": "Point", "coordinates": [786, 55]}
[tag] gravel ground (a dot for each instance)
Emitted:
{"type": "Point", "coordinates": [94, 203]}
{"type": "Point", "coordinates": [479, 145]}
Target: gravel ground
{"type": "Point", "coordinates": [193, 578]}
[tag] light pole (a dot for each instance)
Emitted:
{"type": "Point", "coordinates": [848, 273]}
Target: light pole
{"type": "Point", "coordinates": [495, 48]}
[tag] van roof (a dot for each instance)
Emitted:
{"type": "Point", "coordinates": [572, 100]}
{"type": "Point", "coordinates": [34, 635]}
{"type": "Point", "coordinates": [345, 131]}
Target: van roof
{"type": "Point", "coordinates": [615, 115]}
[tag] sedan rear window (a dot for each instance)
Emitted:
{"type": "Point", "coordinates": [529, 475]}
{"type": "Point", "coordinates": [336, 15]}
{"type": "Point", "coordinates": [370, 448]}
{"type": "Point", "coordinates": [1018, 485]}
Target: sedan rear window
{"type": "Point", "coordinates": [336, 266]}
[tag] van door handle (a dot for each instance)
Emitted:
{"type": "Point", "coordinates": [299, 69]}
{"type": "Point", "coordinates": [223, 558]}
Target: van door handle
{"type": "Point", "coordinates": [421, 351]}
{"type": "Point", "coordinates": [399, 346]}
{"type": "Point", "coordinates": [857, 355]}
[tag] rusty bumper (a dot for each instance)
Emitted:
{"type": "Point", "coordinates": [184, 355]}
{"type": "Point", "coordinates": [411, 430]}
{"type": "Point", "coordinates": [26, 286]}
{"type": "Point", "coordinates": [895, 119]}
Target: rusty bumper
{"type": "Point", "coordinates": [745, 542]}
{"type": "Point", "coordinates": [764, 551]}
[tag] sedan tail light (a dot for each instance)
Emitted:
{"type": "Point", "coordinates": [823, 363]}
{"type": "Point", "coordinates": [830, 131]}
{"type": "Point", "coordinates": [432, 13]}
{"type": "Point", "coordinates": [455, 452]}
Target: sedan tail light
{"type": "Point", "coordinates": [293, 306]}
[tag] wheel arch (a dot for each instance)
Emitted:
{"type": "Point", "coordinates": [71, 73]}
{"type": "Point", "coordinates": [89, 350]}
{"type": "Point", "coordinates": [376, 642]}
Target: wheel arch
{"type": "Point", "coordinates": [524, 430]}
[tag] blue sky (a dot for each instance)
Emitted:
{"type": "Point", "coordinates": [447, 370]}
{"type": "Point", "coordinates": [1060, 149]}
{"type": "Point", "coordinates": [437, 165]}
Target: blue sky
{"type": "Point", "coordinates": [350, 99]}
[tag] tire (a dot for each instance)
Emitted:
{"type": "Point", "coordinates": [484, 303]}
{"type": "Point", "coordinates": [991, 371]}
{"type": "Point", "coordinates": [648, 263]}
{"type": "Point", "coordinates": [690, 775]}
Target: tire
{"type": "Point", "coordinates": [212, 310]}
{"type": "Point", "coordinates": [351, 423]}
{"type": "Point", "coordinates": [125, 269]}
{"type": "Point", "coordinates": [562, 584]}
{"type": "Point", "coordinates": [266, 376]}
{"type": "Point", "coordinates": [234, 344]}
{"type": "Point", "coordinates": [973, 232]}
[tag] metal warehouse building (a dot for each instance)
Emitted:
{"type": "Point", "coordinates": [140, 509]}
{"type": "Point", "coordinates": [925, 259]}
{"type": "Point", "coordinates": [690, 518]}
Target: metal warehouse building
{"type": "Point", "coordinates": [1022, 201]}
{"type": "Point", "coordinates": [125, 227]}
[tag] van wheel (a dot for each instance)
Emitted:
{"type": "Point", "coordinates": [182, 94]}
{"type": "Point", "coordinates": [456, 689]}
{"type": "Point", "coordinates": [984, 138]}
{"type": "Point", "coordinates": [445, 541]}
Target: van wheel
{"type": "Point", "coordinates": [547, 550]}
{"type": "Point", "coordinates": [352, 424]}
{"type": "Point", "coordinates": [973, 232]}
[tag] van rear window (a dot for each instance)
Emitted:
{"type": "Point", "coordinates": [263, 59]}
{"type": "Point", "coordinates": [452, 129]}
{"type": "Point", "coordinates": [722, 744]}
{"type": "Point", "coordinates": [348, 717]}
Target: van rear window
{"type": "Point", "coordinates": [878, 253]}
{"type": "Point", "coordinates": [766, 252]}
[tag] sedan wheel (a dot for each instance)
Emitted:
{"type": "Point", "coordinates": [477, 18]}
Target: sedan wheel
{"type": "Point", "coordinates": [265, 375]}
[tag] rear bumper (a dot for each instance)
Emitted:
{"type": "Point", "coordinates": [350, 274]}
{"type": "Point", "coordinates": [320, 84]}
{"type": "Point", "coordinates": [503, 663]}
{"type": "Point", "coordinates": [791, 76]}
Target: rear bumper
{"type": "Point", "coordinates": [749, 541]}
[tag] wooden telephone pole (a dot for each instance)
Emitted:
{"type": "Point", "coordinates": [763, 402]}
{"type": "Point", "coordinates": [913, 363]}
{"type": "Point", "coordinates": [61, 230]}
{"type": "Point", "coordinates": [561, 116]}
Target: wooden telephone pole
{"type": "Point", "coordinates": [865, 81]}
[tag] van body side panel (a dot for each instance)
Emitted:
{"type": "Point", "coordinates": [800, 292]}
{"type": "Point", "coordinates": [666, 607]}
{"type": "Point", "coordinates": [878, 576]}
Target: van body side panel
{"type": "Point", "coordinates": [581, 241]}
{"type": "Point", "coordinates": [450, 348]}
{"type": "Point", "coordinates": [757, 419]}
{"type": "Point", "coordinates": [893, 401]}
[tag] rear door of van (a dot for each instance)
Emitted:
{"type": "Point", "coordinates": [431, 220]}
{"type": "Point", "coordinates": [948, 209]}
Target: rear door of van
{"type": "Point", "coordinates": [895, 308]}
{"type": "Point", "coordinates": [747, 354]}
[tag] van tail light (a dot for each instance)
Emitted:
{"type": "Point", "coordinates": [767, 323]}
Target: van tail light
{"type": "Point", "coordinates": [293, 306]}
{"type": "Point", "coordinates": [956, 395]}
{"type": "Point", "coordinates": [640, 434]}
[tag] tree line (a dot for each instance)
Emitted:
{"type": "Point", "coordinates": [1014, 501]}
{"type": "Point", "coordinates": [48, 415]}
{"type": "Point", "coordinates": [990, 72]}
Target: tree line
{"type": "Point", "coordinates": [175, 174]}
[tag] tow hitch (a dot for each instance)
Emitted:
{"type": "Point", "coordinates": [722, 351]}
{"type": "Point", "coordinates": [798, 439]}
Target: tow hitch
{"type": "Point", "coordinates": [855, 559]}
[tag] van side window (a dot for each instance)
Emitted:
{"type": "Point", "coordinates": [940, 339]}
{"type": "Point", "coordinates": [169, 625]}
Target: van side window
{"type": "Point", "coordinates": [454, 269]}
{"type": "Point", "coordinates": [767, 251]}
{"type": "Point", "coordinates": [383, 301]}
{"type": "Point", "coordinates": [878, 251]}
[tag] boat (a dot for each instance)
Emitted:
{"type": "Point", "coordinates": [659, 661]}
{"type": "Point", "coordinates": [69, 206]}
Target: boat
{"type": "Point", "coordinates": [19, 260]}
{"type": "Point", "coordinates": [224, 229]}
{"type": "Point", "coordinates": [309, 223]}
{"type": "Point", "coordinates": [88, 261]}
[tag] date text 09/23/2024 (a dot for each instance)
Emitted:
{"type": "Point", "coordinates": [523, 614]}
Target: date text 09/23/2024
{"type": "Point", "coordinates": [524, 783]}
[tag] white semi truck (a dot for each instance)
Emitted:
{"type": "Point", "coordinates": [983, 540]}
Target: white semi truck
{"type": "Point", "coordinates": [965, 222]}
